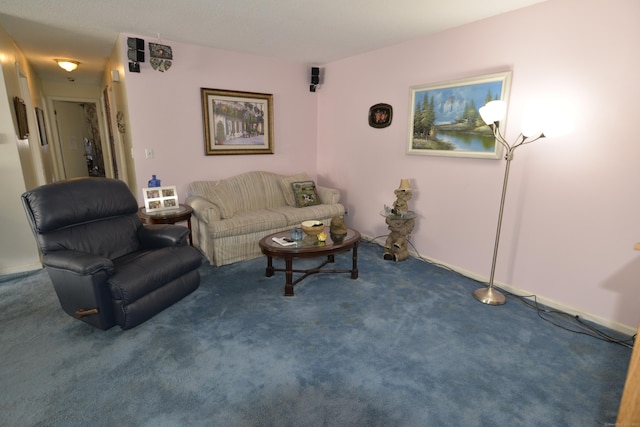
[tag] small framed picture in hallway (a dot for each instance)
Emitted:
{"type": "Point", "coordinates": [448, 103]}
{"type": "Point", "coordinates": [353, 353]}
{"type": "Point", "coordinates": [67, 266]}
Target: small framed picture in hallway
{"type": "Point", "coordinates": [237, 122]}
{"type": "Point", "coordinates": [21, 115]}
{"type": "Point", "coordinates": [42, 129]}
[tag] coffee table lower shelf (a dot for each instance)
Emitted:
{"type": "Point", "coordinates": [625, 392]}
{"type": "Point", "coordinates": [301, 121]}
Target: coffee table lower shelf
{"type": "Point", "coordinates": [288, 253]}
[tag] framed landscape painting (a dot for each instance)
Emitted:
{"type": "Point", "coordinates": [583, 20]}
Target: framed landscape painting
{"type": "Point", "coordinates": [237, 122]}
{"type": "Point", "coordinates": [444, 118]}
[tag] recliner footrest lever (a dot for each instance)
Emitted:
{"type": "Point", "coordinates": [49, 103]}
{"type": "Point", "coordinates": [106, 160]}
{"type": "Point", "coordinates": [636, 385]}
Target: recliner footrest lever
{"type": "Point", "coordinates": [82, 313]}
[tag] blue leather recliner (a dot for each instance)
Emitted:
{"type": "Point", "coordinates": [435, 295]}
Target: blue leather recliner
{"type": "Point", "coordinates": [108, 268]}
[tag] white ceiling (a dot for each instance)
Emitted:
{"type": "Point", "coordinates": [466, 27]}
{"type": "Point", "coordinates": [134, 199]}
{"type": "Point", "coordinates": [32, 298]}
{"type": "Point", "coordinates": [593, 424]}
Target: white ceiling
{"type": "Point", "coordinates": [311, 32]}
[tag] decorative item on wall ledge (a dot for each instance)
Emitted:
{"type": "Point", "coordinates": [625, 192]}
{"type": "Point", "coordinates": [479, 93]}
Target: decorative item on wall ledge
{"type": "Point", "coordinates": [42, 129]}
{"type": "Point", "coordinates": [237, 122]}
{"type": "Point", "coordinates": [160, 56]}
{"type": "Point", "coordinates": [444, 118]}
{"type": "Point", "coordinates": [380, 115]}
{"type": "Point", "coordinates": [21, 116]}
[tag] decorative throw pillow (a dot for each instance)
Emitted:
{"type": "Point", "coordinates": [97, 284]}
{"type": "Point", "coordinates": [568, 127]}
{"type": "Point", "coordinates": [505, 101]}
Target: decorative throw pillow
{"type": "Point", "coordinates": [305, 194]}
{"type": "Point", "coordinates": [287, 190]}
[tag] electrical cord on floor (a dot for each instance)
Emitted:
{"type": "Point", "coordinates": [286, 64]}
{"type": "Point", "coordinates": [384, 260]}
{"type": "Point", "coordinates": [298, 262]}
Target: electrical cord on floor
{"type": "Point", "coordinates": [531, 301]}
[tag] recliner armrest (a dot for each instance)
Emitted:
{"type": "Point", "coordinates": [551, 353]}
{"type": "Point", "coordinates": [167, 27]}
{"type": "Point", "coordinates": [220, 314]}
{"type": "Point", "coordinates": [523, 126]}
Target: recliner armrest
{"type": "Point", "coordinates": [77, 262]}
{"type": "Point", "coordinates": [154, 236]}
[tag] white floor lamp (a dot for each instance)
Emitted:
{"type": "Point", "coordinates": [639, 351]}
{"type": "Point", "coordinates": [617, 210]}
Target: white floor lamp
{"type": "Point", "coordinates": [492, 113]}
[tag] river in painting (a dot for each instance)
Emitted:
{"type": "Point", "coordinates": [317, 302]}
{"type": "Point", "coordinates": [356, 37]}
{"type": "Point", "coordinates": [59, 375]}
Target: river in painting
{"type": "Point", "coordinates": [465, 141]}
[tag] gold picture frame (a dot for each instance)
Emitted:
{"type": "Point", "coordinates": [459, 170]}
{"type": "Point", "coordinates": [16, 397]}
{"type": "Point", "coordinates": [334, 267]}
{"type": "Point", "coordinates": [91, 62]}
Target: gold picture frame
{"type": "Point", "coordinates": [237, 122]}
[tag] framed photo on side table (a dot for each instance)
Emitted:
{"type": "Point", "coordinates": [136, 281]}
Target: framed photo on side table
{"type": "Point", "coordinates": [444, 118]}
{"type": "Point", "coordinates": [160, 198]}
{"type": "Point", "coordinates": [237, 122]}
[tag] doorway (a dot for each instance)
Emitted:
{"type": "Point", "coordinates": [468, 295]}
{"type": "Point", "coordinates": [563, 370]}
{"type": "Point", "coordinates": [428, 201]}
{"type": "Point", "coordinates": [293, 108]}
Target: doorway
{"type": "Point", "coordinates": [79, 138]}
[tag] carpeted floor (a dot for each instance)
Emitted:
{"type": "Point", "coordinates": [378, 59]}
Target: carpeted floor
{"type": "Point", "coordinates": [406, 344]}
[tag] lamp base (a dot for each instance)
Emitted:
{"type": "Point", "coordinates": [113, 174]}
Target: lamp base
{"type": "Point", "coordinates": [489, 296]}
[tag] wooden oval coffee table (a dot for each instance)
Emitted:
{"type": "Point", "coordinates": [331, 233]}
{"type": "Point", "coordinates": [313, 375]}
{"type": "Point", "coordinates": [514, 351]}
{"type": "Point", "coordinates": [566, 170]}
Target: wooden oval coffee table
{"type": "Point", "coordinates": [309, 248]}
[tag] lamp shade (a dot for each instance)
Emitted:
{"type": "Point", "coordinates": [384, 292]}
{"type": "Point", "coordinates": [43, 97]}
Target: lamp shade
{"type": "Point", "coordinates": [67, 64]}
{"type": "Point", "coordinates": [549, 116]}
{"type": "Point", "coordinates": [533, 119]}
{"type": "Point", "coordinates": [493, 111]}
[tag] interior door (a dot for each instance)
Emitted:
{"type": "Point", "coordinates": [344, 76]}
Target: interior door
{"type": "Point", "coordinates": [72, 134]}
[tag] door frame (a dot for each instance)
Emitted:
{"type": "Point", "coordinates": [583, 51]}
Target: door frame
{"type": "Point", "coordinates": [56, 149]}
{"type": "Point", "coordinates": [36, 174]}
{"type": "Point", "coordinates": [111, 126]}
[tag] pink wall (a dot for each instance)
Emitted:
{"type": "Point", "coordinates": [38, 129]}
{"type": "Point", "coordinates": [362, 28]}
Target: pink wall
{"type": "Point", "coordinates": [571, 217]}
{"type": "Point", "coordinates": [166, 115]}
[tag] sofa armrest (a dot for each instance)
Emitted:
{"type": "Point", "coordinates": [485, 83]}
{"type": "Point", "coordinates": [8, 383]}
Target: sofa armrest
{"type": "Point", "coordinates": [80, 263]}
{"type": "Point", "coordinates": [154, 236]}
{"type": "Point", "coordinates": [328, 196]}
{"type": "Point", "coordinates": [203, 209]}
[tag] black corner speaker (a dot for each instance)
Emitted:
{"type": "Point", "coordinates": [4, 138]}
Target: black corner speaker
{"type": "Point", "coordinates": [315, 78]}
{"type": "Point", "coordinates": [136, 55]}
{"type": "Point", "coordinates": [136, 49]}
{"type": "Point", "coordinates": [135, 44]}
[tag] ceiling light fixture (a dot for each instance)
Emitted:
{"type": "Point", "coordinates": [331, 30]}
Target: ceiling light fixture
{"type": "Point", "coordinates": [67, 64]}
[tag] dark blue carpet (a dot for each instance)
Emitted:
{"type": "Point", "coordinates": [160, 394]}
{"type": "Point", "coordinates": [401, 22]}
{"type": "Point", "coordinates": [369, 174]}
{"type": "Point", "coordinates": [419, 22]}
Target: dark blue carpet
{"type": "Point", "coordinates": [406, 344]}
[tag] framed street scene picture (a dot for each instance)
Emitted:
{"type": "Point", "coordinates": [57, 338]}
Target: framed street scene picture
{"type": "Point", "coordinates": [237, 122]}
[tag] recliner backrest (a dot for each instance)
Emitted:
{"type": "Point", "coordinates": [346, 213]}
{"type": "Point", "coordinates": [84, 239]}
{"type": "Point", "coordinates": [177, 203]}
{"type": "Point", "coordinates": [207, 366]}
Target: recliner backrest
{"type": "Point", "coordinates": [92, 215]}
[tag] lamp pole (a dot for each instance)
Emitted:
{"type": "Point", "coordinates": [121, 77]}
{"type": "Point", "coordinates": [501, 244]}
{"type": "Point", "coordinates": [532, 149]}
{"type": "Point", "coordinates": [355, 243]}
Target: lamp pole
{"type": "Point", "coordinates": [490, 295]}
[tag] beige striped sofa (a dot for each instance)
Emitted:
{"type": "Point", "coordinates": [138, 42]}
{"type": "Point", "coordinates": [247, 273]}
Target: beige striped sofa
{"type": "Point", "coordinates": [230, 216]}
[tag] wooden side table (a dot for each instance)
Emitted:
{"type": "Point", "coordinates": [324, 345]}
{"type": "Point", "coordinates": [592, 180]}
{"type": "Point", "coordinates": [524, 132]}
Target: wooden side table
{"type": "Point", "coordinates": [183, 213]}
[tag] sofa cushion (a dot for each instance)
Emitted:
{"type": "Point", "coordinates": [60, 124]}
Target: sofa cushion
{"type": "Point", "coordinates": [305, 194]}
{"type": "Point", "coordinates": [253, 191]}
{"type": "Point", "coordinates": [328, 196]}
{"type": "Point", "coordinates": [248, 222]}
{"type": "Point", "coordinates": [222, 197]}
{"type": "Point", "coordinates": [287, 190]}
{"type": "Point", "coordinates": [295, 216]}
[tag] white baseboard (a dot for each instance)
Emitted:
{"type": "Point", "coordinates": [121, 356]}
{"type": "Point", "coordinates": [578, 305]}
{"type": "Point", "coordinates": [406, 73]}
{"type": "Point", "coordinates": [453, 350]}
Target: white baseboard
{"type": "Point", "coordinates": [19, 269]}
{"type": "Point", "coordinates": [607, 323]}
